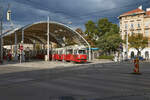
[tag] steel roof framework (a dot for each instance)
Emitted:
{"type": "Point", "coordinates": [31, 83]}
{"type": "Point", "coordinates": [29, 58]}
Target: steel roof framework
{"type": "Point", "coordinates": [38, 31]}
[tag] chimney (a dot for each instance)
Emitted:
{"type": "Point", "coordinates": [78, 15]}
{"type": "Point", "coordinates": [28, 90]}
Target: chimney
{"type": "Point", "coordinates": [147, 9]}
{"type": "Point", "coordinates": [140, 7]}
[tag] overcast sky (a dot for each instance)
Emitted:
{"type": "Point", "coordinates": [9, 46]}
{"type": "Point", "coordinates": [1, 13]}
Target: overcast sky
{"type": "Point", "coordinates": [76, 11]}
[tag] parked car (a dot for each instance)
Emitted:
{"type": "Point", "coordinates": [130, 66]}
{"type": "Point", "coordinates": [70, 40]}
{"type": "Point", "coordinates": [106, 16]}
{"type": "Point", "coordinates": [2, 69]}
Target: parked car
{"type": "Point", "coordinates": [140, 58]}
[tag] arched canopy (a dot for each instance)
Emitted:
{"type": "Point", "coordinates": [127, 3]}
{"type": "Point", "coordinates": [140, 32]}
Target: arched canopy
{"type": "Point", "coordinates": [38, 31]}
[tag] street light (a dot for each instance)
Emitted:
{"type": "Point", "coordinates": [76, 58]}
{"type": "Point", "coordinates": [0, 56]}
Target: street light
{"type": "Point", "coordinates": [12, 27]}
{"type": "Point", "coordinates": [1, 38]}
{"type": "Point", "coordinates": [126, 46]}
{"type": "Point", "coordinates": [48, 38]}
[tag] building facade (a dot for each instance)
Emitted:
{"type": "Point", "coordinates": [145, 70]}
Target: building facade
{"type": "Point", "coordinates": [136, 21]}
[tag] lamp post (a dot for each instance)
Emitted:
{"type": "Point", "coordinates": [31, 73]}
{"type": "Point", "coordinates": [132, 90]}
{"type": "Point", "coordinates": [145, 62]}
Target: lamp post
{"type": "Point", "coordinates": [1, 38]}
{"type": "Point", "coordinates": [48, 38]}
{"type": "Point", "coordinates": [126, 46]}
{"type": "Point", "coordinates": [12, 27]}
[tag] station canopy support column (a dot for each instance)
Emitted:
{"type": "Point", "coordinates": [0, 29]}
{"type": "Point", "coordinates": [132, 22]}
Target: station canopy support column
{"type": "Point", "coordinates": [16, 56]}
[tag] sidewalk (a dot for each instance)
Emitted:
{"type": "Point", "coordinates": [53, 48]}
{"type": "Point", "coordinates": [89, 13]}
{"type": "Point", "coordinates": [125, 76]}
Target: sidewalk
{"type": "Point", "coordinates": [13, 67]}
{"type": "Point", "coordinates": [51, 64]}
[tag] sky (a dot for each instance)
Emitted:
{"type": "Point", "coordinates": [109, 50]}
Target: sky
{"type": "Point", "coordinates": [74, 13]}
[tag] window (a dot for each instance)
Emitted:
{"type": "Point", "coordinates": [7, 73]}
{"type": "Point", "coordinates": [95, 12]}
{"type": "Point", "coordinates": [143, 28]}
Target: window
{"type": "Point", "coordinates": [126, 26]}
{"type": "Point", "coordinates": [131, 33]}
{"type": "Point", "coordinates": [147, 24]}
{"type": "Point", "coordinates": [70, 51]}
{"type": "Point", "coordinates": [139, 25]}
{"type": "Point", "coordinates": [75, 52]}
{"type": "Point", "coordinates": [82, 52]}
{"type": "Point", "coordinates": [147, 55]}
{"type": "Point", "coordinates": [120, 24]}
{"type": "Point", "coordinates": [147, 33]}
{"type": "Point", "coordinates": [139, 31]}
{"type": "Point", "coordinates": [132, 25]}
{"type": "Point", "coordinates": [132, 55]}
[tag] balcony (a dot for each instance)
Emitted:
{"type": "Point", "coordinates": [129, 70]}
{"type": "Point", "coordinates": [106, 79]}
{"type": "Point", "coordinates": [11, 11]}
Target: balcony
{"type": "Point", "coordinates": [147, 27]}
{"type": "Point", "coordinates": [125, 30]}
{"type": "Point", "coordinates": [138, 28]}
{"type": "Point", "coordinates": [131, 29]}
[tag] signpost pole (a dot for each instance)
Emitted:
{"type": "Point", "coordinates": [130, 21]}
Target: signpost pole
{"type": "Point", "coordinates": [1, 37]}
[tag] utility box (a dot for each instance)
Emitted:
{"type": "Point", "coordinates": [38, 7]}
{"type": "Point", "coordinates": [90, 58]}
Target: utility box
{"type": "Point", "coordinates": [46, 58]}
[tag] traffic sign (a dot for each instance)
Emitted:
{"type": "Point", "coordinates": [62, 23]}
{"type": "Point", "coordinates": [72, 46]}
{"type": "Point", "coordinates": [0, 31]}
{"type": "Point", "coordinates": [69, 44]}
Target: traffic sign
{"type": "Point", "coordinates": [21, 47]}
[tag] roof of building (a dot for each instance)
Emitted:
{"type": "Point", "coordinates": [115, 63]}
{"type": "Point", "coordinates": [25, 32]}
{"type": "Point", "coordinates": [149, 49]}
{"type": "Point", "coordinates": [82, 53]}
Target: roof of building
{"type": "Point", "coordinates": [148, 13]}
{"type": "Point", "coordinates": [136, 11]}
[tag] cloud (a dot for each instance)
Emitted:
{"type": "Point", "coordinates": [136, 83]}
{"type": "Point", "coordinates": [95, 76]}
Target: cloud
{"type": "Point", "coordinates": [78, 12]}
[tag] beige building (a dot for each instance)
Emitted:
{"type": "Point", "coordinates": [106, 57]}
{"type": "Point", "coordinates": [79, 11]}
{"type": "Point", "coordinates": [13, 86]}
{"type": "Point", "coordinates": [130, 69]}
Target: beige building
{"type": "Point", "coordinates": [136, 21]}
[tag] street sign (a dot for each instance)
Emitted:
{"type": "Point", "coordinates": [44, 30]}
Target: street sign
{"type": "Point", "coordinates": [21, 47]}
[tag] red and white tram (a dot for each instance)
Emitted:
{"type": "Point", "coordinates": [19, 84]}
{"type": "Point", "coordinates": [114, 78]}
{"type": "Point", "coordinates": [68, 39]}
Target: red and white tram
{"type": "Point", "coordinates": [71, 53]}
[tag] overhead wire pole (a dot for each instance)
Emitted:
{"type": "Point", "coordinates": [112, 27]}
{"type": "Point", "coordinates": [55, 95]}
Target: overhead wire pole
{"type": "Point", "coordinates": [48, 38]}
{"type": "Point", "coordinates": [127, 46]}
{"type": "Point", "coordinates": [12, 27]}
{"type": "Point", "coordinates": [1, 31]}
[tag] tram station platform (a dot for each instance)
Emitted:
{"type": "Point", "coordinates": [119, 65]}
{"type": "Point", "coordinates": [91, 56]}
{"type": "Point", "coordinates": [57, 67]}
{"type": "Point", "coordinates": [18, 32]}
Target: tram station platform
{"type": "Point", "coordinates": [38, 65]}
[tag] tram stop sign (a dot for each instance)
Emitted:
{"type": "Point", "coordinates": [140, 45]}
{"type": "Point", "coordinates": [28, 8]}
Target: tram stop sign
{"type": "Point", "coordinates": [21, 47]}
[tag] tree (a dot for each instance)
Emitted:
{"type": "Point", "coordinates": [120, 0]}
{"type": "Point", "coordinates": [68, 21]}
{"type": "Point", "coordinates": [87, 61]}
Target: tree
{"type": "Point", "coordinates": [87, 37]}
{"type": "Point", "coordinates": [138, 41]}
{"type": "Point", "coordinates": [104, 34]}
{"type": "Point", "coordinates": [91, 30]}
{"type": "Point", "coordinates": [109, 42]}
{"type": "Point", "coordinates": [104, 26]}
{"type": "Point", "coordinates": [109, 37]}
{"type": "Point", "coordinates": [79, 30]}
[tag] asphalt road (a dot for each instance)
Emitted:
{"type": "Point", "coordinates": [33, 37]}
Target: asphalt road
{"type": "Point", "coordinates": [110, 81]}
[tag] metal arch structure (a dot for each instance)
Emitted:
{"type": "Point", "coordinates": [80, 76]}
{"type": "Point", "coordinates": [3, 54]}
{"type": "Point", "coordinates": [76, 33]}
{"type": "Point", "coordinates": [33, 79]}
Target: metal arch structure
{"type": "Point", "coordinates": [39, 28]}
{"type": "Point", "coordinates": [81, 39]}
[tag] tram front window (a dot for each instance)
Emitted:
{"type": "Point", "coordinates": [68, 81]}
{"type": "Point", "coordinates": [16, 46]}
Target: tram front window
{"type": "Point", "coordinates": [69, 52]}
{"type": "Point", "coordinates": [81, 52]}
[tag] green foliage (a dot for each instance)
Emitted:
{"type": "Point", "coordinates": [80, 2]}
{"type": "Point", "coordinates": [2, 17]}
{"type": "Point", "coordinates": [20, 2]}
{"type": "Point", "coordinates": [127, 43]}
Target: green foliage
{"type": "Point", "coordinates": [104, 34]}
{"type": "Point", "coordinates": [138, 41]}
{"type": "Point", "coordinates": [105, 57]}
{"type": "Point", "coordinates": [114, 29]}
{"type": "Point", "coordinates": [91, 30]}
{"type": "Point", "coordinates": [109, 42]}
{"type": "Point", "coordinates": [104, 25]}
{"type": "Point", "coordinates": [37, 46]}
{"type": "Point", "coordinates": [69, 41]}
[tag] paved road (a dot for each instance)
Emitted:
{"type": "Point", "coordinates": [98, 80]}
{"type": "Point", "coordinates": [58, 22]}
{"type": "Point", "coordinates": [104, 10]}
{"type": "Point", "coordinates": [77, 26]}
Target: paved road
{"type": "Point", "coordinates": [110, 81]}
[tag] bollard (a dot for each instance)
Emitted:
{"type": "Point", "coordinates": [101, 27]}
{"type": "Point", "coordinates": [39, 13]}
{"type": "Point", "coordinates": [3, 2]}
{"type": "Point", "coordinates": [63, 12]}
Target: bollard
{"type": "Point", "coordinates": [136, 65]}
